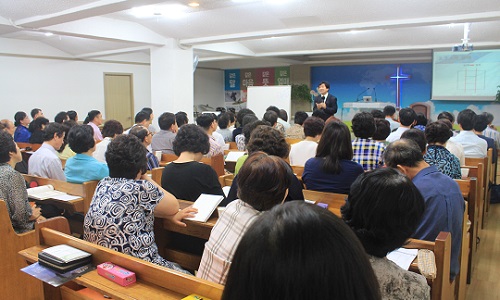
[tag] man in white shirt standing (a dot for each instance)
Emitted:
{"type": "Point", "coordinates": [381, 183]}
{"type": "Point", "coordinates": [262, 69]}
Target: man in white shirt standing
{"type": "Point", "coordinates": [474, 146]}
{"type": "Point", "coordinates": [407, 117]}
{"type": "Point", "coordinates": [45, 162]}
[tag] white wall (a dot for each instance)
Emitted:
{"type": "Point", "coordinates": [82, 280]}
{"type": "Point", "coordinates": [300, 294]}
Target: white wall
{"type": "Point", "coordinates": [209, 87]}
{"type": "Point", "coordinates": [56, 85]}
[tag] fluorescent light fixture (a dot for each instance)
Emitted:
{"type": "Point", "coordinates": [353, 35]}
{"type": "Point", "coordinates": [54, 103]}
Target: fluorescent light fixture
{"type": "Point", "coordinates": [48, 34]}
{"type": "Point", "coordinates": [173, 11]}
{"type": "Point", "coordinates": [194, 4]}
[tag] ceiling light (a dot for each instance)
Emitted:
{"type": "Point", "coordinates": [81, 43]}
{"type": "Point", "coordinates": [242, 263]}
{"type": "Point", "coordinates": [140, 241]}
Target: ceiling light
{"type": "Point", "coordinates": [169, 11]}
{"type": "Point", "coordinates": [48, 34]}
{"type": "Point", "coordinates": [194, 4]}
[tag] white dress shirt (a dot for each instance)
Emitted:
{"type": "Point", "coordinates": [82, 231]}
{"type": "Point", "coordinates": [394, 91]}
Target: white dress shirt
{"type": "Point", "coordinates": [45, 163]}
{"type": "Point", "coordinates": [396, 135]}
{"type": "Point", "coordinates": [474, 146]}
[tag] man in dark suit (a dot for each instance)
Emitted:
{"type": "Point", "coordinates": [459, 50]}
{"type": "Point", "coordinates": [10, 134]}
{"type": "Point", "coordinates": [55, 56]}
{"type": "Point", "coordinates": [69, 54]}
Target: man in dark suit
{"type": "Point", "coordinates": [325, 104]}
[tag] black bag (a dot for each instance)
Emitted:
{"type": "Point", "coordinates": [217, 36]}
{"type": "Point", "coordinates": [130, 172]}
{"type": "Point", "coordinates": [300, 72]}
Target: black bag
{"type": "Point", "coordinates": [495, 193]}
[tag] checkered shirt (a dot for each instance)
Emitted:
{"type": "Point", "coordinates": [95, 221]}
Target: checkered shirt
{"type": "Point", "coordinates": [368, 153]}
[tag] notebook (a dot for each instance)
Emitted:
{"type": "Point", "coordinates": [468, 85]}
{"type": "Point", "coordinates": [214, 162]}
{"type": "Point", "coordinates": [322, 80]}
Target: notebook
{"type": "Point", "coordinates": [206, 205]}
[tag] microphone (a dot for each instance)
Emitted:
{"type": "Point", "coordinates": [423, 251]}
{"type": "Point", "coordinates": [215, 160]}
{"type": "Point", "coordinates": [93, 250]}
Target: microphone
{"type": "Point", "coordinates": [357, 97]}
{"type": "Point", "coordinates": [375, 92]}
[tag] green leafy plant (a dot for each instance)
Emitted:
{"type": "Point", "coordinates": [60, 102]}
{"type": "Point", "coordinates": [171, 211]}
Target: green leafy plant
{"type": "Point", "coordinates": [497, 98]}
{"type": "Point", "coordinates": [300, 92]}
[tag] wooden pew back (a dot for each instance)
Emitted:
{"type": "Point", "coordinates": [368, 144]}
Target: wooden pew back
{"type": "Point", "coordinates": [226, 180]}
{"type": "Point", "coordinates": [11, 262]}
{"type": "Point", "coordinates": [441, 287]}
{"type": "Point", "coordinates": [33, 147]}
{"type": "Point", "coordinates": [335, 201]}
{"type": "Point", "coordinates": [291, 141]}
{"type": "Point", "coordinates": [216, 162]}
{"type": "Point", "coordinates": [153, 281]}
{"type": "Point", "coordinates": [85, 190]}
{"type": "Point", "coordinates": [483, 182]}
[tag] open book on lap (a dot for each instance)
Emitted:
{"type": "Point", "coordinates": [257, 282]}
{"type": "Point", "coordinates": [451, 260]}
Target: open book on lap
{"type": "Point", "coordinates": [48, 192]}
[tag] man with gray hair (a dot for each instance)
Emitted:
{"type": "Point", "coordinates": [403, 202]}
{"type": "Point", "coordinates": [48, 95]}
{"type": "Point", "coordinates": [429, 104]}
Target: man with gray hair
{"type": "Point", "coordinates": [443, 200]}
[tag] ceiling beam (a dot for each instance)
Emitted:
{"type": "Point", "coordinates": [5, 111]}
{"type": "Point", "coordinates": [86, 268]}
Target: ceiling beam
{"type": "Point", "coordinates": [112, 52]}
{"type": "Point", "coordinates": [96, 8]}
{"type": "Point", "coordinates": [386, 24]}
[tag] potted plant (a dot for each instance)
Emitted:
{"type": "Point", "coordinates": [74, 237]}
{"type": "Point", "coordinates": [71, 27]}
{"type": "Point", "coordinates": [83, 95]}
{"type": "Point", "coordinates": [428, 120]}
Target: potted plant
{"type": "Point", "coordinates": [497, 98]}
{"type": "Point", "coordinates": [301, 98]}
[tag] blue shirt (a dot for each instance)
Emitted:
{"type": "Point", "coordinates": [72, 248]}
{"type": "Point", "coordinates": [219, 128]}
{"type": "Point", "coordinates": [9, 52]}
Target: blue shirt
{"type": "Point", "coordinates": [444, 209]}
{"type": "Point", "coordinates": [22, 134]}
{"type": "Point", "coordinates": [316, 179]}
{"type": "Point", "coordinates": [81, 168]}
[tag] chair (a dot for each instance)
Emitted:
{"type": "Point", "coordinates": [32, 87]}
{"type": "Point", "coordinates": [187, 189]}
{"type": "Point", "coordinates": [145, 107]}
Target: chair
{"type": "Point", "coordinates": [15, 284]}
{"type": "Point", "coordinates": [483, 183]}
{"type": "Point", "coordinates": [422, 107]}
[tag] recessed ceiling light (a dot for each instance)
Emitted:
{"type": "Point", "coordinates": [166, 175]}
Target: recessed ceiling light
{"type": "Point", "coordinates": [194, 4]}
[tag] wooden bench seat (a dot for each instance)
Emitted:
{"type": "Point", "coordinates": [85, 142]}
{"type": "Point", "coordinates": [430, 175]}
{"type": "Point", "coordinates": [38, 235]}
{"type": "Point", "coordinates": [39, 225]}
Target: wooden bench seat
{"type": "Point", "coordinates": [11, 262]}
{"type": "Point", "coordinates": [153, 281]}
{"type": "Point", "coordinates": [216, 162]}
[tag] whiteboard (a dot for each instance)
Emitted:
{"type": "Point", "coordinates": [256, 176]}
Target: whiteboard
{"type": "Point", "coordinates": [259, 98]}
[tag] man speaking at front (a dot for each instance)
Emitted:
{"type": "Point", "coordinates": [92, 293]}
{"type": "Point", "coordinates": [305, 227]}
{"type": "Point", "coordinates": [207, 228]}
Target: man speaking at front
{"type": "Point", "coordinates": [325, 104]}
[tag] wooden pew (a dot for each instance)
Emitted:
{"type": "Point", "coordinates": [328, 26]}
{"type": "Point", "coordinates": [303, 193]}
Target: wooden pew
{"type": "Point", "coordinates": [470, 191]}
{"type": "Point", "coordinates": [483, 181]}
{"type": "Point", "coordinates": [441, 287]}
{"type": "Point", "coordinates": [298, 170]}
{"type": "Point", "coordinates": [226, 180]}
{"type": "Point", "coordinates": [33, 147]}
{"type": "Point", "coordinates": [85, 190]}
{"type": "Point", "coordinates": [216, 162]}
{"type": "Point", "coordinates": [335, 201]}
{"type": "Point", "coordinates": [232, 145]}
{"type": "Point", "coordinates": [11, 262]}
{"type": "Point", "coordinates": [153, 281]}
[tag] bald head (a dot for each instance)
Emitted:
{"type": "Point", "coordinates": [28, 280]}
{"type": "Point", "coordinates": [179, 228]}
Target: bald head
{"type": "Point", "coordinates": [8, 126]}
{"type": "Point", "coordinates": [403, 152]}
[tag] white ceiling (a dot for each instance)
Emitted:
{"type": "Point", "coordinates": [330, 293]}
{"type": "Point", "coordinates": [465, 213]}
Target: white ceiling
{"type": "Point", "coordinates": [222, 31]}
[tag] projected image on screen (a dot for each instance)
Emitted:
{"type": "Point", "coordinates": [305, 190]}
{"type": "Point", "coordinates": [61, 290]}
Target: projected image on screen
{"type": "Point", "coordinates": [471, 75]}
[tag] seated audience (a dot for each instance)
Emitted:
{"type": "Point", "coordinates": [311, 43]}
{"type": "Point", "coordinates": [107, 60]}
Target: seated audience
{"type": "Point", "coordinates": [332, 170]}
{"type": "Point", "coordinates": [421, 122]}
{"type": "Point", "coordinates": [224, 130]}
{"type": "Point", "coordinates": [269, 140]}
{"type": "Point", "coordinates": [65, 151]}
{"type": "Point", "coordinates": [72, 115]}
{"type": "Point", "coordinates": [181, 118]}
{"type": "Point", "coordinates": [445, 115]}
{"type": "Point", "coordinates": [186, 178]}
{"type": "Point", "coordinates": [391, 117]}
{"type": "Point", "coordinates": [378, 114]}
{"type": "Point", "coordinates": [151, 127]}
{"type": "Point", "coordinates": [8, 126]}
{"type": "Point", "coordinates": [480, 125]}
{"type": "Point", "coordinates": [296, 131]}
{"type": "Point", "coordinates": [437, 134]}
{"type": "Point", "coordinates": [143, 134]}
{"type": "Point", "coordinates": [272, 117]}
{"type": "Point", "coordinates": [83, 166]}
{"type": "Point", "coordinates": [128, 201]}
{"type": "Point", "coordinates": [383, 209]}
{"type": "Point", "coordinates": [45, 162]}
{"type": "Point", "coordinates": [38, 130]}
{"type": "Point", "coordinates": [284, 125]}
{"type": "Point", "coordinates": [382, 131]}
{"type": "Point", "coordinates": [407, 118]}
{"type": "Point", "coordinates": [163, 140]}
{"type": "Point", "coordinates": [110, 130]}
{"type": "Point", "coordinates": [61, 117]}
{"type": "Point", "coordinates": [302, 151]}
{"type": "Point", "coordinates": [366, 152]}
{"type": "Point", "coordinates": [142, 118]}
{"type": "Point", "coordinates": [247, 132]}
{"type": "Point", "coordinates": [217, 136]}
{"type": "Point", "coordinates": [241, 140]}
{"type": "Point", "coordinates": [418, 136]}
{"type": "Point", "coordinates": [490, 130]}
{"type": "Point", "coordinates": [209, 125]}
{"type": "Point", "coordinates": [264, 182]}
{"type": "Point", "coordinates": [444, 203]}
{"type": "Point", "coordinates": [300, 251]}
{"type": "Point", "coordinates": [239, 118]}
{"type": "Point", "coordinates": [454, 148]}
{"type": "Point", "coordinates": [232, 120]}
{"type": "Point", "coordinates": [94, 119]}
{"type": "Point", "coordinates": [13, 188]}
{"type": "Point", "coordinates": [473, 145]}
{"type": "Point", "coordinates": [21, 121]}
{"type": "Point", "coordinates": [35, 114]}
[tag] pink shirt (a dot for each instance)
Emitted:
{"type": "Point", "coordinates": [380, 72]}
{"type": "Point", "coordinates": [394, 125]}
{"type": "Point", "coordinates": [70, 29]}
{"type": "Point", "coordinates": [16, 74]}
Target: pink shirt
{"type": "Point", "coordinates": [97, 131]}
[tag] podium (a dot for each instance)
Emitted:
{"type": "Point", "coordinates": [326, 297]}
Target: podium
{"type": "Point", "coordinates": [363, 106]}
